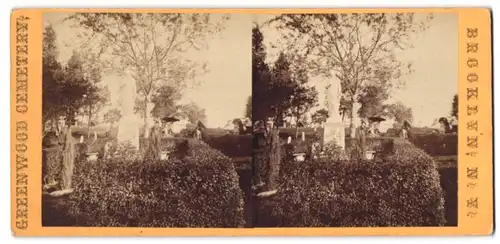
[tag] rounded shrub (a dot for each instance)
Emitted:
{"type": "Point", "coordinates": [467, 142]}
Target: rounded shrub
{"type": "Point", "coordinates": [447, 168]}
{"type": "Point", "coordinates": [437, 144]}
{"type": "Point", "coordinates": [231, 145]}
{"type": "Point", "coordinates": [397, 189]}
{"type": "Point", "coordinates": [201, 190]}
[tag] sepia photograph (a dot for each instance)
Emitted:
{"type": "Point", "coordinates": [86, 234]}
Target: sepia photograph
{"type": "Point", "coordinates": [250, 121]}
{"type": "Point", "coordinates": [146, 119]}
{"type": "Point", "coordinates": [355, 119]}
{"type": "Point", "coordinates": [150, 122]}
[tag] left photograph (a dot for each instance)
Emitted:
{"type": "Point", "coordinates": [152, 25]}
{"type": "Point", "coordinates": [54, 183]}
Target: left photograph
{"type": "Point", "coordinates": [147, 120]}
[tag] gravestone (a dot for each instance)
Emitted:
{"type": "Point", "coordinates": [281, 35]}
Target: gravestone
{"type": "Point", "coordinates": [334, 130]}
{"type": "Point", "coordinates": [128, 126]}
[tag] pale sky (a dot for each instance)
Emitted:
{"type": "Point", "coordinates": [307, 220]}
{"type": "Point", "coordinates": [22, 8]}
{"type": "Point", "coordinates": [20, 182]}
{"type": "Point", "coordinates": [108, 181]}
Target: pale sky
{"type": "Point", "coordinates": [429, 90]}
{"type": "Point", "coordinates": [222, 92]}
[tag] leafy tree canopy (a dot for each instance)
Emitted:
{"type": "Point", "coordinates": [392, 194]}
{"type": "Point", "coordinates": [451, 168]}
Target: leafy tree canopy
{"type": "Point", "coordinates": [357, 49]}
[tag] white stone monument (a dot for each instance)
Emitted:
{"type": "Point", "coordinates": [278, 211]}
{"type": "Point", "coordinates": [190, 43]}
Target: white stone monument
{"type": "Point", "coordinates": [334, 129]}
{"type": "Point", "coordinates": [356, 121]}
{"type": "Point", "coordinates": [128, 126]}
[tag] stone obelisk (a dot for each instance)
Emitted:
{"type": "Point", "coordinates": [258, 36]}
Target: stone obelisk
{"type": "Point", "coordinates": [334, 129]}
{"type": "Point", "coordinates": [128, 126]}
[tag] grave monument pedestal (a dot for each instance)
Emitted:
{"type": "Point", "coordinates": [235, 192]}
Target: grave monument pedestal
{"type": "Point", "coordinates": [128, 126]}
{"type": "Point", "coordinates": [334, 131]}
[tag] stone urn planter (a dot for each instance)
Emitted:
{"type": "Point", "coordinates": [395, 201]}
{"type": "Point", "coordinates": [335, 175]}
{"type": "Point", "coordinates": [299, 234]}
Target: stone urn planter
{"type": "Point", "coordinates": [299, 151]}
{"type": "Point", "coordinates": [370, 155]}
{"type": "Point", "coordinates": [92, 157]}
{"type": "Point", "coordinates": [299, 157]}
{"type": "Point", "coordinates": [164, 155]}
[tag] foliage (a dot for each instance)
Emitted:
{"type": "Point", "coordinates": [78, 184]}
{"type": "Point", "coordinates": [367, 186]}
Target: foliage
{"type": "Point", "coordinates": [188, 132]}
{"type": "Point", "coordinates": [81, 151]}
{"type": "Point", "coordinates": [357, 49]}
{"type": "Point", "coordinates": [125, 151]}
{"type": "Point", "coordinates": [112, 116]}
{"type": "Point", "coordinates": [333, 152]}
{"type": "Point", "coordinates": [378, 144]}
{"type": "Point", "coordinates": [261, 76]}
{"type": "Point", "coordinates": [268, 153]}
{"type": "Point", "coordinates": [300, 146]}
{"type": "Point", "coordinates": [165, 101]}
{"type": "Point", "coordinates": [310, 134]}
{"type": "Point", "coordinates": [304, 96]}
{"type": "Point", "coordinates": [94, 101]}
{"type": "Point", "coordinates": [193, 112]}
{"type": "Point", "coordinates": [262, 149]}
{"type": "Point", "coordinates": [454, 106]}
{"type": "Point", "coordinates": [281, 90]}
{"type": "Point", "coordinates": [448, 173]}
{"type": "Point", "coordinates": [437, 144]}
{"type": "Point", "coordinates": [400, 112]}
{"type": "Point", "coordinates": [320, 116]}
{"type": "Point", "coordinates": [248, 107]}
{"type": "Point", "coordinates": [401, 189]}
{"type": "Point", "coordinates": [66, 87]}
{"type": "Point", "coordinates": [51, 164]}
{"type": "Point", "coordinates": [150, 47]}
{"type": "Point", "coordinates": [200, 191]}
{"type": "Point", "coordinates": [231, 145]}
{"type": "Point", "coordinates": [372, 100]}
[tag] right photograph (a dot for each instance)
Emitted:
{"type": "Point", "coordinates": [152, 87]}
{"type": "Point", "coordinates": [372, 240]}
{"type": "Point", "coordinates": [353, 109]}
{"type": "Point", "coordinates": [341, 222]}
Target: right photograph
{"type": "Point", "coordinates": [355, 119]}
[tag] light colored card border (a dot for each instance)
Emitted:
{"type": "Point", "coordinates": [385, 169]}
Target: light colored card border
{"type": "Point", "coordinates": [475, 200]}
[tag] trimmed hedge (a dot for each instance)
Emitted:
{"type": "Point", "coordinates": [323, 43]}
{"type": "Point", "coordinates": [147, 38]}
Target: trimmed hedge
{"type": "Point", "coordinates": [310, 135]}
{"type": "Point", "coordinates": [231, 145]}
{"type": "Point", "coordinates": [102, 131]}
{"type": "Point", "coordinates": [448, 171]}
{"type": "Point", "coordinates": [202, 190]}
{"type": "Point", "coordinates": [372, 143]}
{"type": "Point", "coordinates": [436, 144]}
{"type": "Point", "coordinates": [398, 189]}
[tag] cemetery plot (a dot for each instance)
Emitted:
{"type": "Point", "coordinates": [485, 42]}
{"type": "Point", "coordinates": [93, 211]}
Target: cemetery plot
{"type": "Point", "coordinates": [342, 134]}
{"type": "Point", "coordinates": [128, 111]}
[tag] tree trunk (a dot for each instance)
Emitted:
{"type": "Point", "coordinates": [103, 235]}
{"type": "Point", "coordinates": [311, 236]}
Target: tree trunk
{"type": "Point", "coordinates": [274, 160]}
{"type": "Point", "coordinates": [146, 117]}
{"type": "Point", "coordinates": [297, 123]}
{"type": "Point", "coordinates": [153, 150]}
{"type": "Point", "coordinates": [351, 119]}
{"type": "Point", "coordinates": [54, 127]}
{"type": "Point", "coordinates": [68, 159]}
{"type": "Point", "coordinates": [88, 125]}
